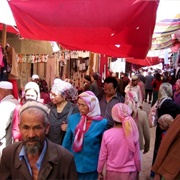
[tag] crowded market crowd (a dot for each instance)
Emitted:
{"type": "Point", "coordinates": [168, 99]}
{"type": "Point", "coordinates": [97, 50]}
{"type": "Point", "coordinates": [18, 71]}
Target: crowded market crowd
{"type": "Point", "coordinates": [98, 131]}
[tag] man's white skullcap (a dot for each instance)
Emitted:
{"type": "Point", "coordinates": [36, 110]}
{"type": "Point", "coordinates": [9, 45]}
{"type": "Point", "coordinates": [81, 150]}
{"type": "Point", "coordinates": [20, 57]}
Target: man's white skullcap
{"type": "Point", "coordinates": [35, 76]}
{"type": "Point", "coordinates": [6, 85]}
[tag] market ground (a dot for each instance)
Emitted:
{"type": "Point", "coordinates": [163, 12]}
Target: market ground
{"type": "Point", "coordinates": [147, 158]}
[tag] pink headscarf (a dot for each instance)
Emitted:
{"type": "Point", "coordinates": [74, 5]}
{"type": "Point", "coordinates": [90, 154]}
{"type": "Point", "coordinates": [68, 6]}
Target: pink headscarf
{"type": "Point", "coordinates": [94, 113]}
{"type": "Point", "coordinates": [122, 113]}
{"type": "Point", "coordinates": [131, 100]}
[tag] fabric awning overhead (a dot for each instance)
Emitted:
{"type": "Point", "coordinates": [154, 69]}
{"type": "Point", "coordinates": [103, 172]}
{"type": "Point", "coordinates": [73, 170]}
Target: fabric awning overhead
{"type": "Point", "coordinates": [167, 24]}
{"type": "Point", "coordinates": [115, 28]}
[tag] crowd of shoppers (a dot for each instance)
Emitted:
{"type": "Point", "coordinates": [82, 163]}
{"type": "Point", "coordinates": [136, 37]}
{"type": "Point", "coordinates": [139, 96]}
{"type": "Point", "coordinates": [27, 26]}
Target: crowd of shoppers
{"type": "Point", "coordinates": [98, 133]}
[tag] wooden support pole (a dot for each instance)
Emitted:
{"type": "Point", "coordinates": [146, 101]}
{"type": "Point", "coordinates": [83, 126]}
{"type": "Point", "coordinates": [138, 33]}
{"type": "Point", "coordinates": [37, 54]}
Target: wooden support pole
{"type": "Point", "coordinates": [4, 36]}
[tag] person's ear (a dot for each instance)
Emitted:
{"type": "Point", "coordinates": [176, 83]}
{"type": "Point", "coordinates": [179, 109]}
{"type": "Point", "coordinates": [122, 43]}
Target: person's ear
{"type": "Point", "coordinates": [47, 128]}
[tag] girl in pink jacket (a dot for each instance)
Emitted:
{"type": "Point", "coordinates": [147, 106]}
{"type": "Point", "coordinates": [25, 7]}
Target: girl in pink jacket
{"type": "Point", "coordinates": [120, 147]}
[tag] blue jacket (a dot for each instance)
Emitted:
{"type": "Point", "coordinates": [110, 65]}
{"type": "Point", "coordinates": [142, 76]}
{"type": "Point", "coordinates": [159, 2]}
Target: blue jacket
{"type": "Point", "coordinates": [87, 159]}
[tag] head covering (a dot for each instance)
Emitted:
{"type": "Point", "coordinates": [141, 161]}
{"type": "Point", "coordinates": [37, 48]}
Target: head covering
{"type": "Point", "coordinates": [34, 104]}
{"type": "Point", "coordinates": [94, 114]}
{"type": "Point", "coordinates": [122, 113]}
{"type": "Point", "coordinates": [35, 76]}
{"type": "Point", "coordinates": [134, 77]}
{"type": "Point", "coordinates": [131, 100]}
{"type": "Point", "coordinates": [6, 85]}
{"type": "Point", "coordinates": [64, 89]}
{"type": "Point", "coordinates": [165, 92]}
{"type": "Point", "coordinates": [43, 86]}
{"type": "Point", "coordinates": [33, 85]}
{"type": "Point", "coordinates": [165, 121]}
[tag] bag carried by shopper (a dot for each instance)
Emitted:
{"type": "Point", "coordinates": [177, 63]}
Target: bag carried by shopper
{"type": "Point", "coordinates": [153, 117]}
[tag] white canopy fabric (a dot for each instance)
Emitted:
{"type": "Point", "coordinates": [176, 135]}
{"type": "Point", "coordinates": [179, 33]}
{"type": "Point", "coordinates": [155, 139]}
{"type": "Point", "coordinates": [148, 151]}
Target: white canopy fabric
{"type": "Point", "coordinates": [6, 16]}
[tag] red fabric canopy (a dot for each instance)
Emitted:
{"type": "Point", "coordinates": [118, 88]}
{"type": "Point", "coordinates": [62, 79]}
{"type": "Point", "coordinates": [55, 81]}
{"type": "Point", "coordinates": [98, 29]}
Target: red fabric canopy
{"type": "Point", "coordinates": [9, 29]}
{"type": "Point", "coordinates": [120, 28]}
{"type": "Point", "coordinates": [148, 61]}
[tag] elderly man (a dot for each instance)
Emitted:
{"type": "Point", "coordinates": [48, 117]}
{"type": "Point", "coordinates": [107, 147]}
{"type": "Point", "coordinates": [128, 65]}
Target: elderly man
{"type": "Point", "coordinates": [133, 86]}
{"type": "Point", "coordinates": [7, 106]}
{"type": "Point", "coordinates": [35, 157]}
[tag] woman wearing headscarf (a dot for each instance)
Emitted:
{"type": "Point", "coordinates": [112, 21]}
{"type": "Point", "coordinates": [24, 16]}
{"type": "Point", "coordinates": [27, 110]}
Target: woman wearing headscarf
{"type": "Point", "coordinates": [60, 108]}
{"type": "Point", "coordinates": [141, 119]}
{"type": "Point", "coordinates": [165, 105]}
{"type": "Point", "coordinates": [84, 134]}
{"type": "Point", "coordinates": [31, 91]}
{"type": "Point", "coordinates": [44, 92]}
{"type": "Point", "coordinates": [120, 147]}
{"type": "Point", "coordinates": [176, 95]}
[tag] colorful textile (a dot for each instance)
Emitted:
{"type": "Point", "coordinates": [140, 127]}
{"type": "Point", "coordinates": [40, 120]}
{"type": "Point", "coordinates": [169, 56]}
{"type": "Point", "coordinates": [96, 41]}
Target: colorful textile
{"type": "Point", "coordinates": [122, 113]}
{"type": "Point", "coordinates": [131, 100]}
{"type": "Point", "coordinates": [94, 114]}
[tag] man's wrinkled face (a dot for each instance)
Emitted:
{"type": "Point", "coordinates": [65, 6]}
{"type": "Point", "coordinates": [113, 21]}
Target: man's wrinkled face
{"type": "Point", "coordinates": [33, 130]}
{"type": "Point", "coordinates": [134, 82]}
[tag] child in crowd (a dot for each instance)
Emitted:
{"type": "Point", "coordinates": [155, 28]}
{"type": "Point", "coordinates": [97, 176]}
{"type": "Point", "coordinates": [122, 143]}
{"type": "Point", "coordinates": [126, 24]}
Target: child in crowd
{"type": "Point", "coordinates": [120, 147]}
{"type": "Point", "coordinates": [164, 123]}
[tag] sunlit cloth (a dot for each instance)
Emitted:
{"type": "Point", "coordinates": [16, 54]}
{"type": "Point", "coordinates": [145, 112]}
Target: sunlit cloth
{"type": "Point", "coordinates": [94, 114]}
{"type": "Point", "coordinates": [122, 113]}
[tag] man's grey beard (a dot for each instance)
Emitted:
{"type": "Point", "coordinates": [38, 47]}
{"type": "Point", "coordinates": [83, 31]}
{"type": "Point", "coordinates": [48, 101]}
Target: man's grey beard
{"type": "Point", "coordinates": [33, 149]}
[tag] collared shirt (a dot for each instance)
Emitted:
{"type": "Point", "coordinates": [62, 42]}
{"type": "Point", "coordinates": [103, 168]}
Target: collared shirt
{"type": "Point", "coordinates": [22, 155]}
{"type": "Point", "coordinates": [106, 108]}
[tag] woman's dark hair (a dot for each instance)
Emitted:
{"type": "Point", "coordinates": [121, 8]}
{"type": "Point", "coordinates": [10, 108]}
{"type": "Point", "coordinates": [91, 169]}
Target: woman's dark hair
{"type": "Point", "coordinates": [158, 76]}
{"type": "Point", "coordinates": [112, 80]}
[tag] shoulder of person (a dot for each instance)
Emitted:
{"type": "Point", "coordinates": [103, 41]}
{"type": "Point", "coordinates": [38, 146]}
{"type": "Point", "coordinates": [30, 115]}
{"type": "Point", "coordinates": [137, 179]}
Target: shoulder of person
{"type": "Point", "coordinates": [9, 151]}
{"type": "Point", "coordinates": [59, 151]}
{"type": "Point", "coordinates": [120, 97]}
{"type": "Point", "coordinates": [75, 116]}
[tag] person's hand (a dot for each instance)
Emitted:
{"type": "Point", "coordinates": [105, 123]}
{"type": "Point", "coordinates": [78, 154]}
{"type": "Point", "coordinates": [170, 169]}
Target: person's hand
{"type": "Point", "coordinates": [157, 177]}
{"type": "Point", "coordinates": [145, 150]}
{"type": "Point", "coordinates": [100, 176]}
{"type": "Point", "coordinates": [64, 126]}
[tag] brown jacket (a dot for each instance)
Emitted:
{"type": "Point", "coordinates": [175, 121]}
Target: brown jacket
{"type": "Point", "coordinates": [58, 163]}
{"type": "Point", "coordinates": [167, 163]}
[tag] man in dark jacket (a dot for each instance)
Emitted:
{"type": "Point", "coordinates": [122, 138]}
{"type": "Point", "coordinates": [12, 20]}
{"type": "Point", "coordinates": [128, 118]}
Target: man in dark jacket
{"type": "Point", "coordinates": [109, 98]}
{"type": "Point", "coordinates": [35, 157]}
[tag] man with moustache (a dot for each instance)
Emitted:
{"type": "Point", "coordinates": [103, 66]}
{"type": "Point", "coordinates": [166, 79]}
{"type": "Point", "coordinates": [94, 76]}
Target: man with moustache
{"type": "Point", "coordinates": [35, 157]}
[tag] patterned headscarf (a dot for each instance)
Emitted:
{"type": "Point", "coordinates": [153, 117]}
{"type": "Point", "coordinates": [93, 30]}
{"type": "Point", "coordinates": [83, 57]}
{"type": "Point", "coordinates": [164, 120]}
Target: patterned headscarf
{"type": "Point", "coordinates": [165, 121]}
{"type": "Point", "coordinates": [165, 92]}
{"type": "Point", "coordinates": [131, 100]}
{"type": "Point", "coordinates": [64, 89]}
{"type": "Point", "coordinates": [122, 113]}
{"type": "Point", "coordinates": [94, 114]}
